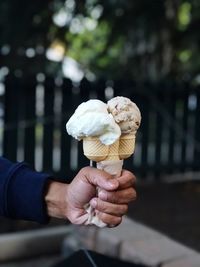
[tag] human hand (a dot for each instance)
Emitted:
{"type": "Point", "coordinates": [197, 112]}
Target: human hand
{"type": "Point", "coordinates": [116, 202]}
{"type": "Point", "coordinates": [68, 201]}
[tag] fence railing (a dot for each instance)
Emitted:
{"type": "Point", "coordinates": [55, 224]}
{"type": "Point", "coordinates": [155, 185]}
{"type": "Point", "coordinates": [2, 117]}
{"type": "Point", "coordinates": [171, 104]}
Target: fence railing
{"type": "Point", "coordinates": [34, 111]}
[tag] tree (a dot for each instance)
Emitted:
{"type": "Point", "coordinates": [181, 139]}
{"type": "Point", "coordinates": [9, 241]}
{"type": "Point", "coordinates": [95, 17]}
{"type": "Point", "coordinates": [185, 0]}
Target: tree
{"type": "Point", "coordinates": [138, 39]}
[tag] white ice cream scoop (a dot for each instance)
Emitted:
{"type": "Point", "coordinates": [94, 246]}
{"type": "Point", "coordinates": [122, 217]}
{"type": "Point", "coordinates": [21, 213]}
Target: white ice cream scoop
{"type": "Point", "coordinates": [91, 119]}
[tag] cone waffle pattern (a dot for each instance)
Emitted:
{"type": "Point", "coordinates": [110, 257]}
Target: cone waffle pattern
{"type": "Point", "coordinates": [126, 146]}
{"type": "Point", "coordinates": [113, 153]}
{"type": "Point", "coordinates": [94, 150]}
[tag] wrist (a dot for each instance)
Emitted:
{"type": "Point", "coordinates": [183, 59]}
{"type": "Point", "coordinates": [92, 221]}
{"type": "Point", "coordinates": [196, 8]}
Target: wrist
{"type": "Point", "coordinates": [55, 199]}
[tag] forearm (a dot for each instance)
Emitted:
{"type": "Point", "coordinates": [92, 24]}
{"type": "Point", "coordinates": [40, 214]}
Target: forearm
{"type": "Point", "coordinates": [55, 199]}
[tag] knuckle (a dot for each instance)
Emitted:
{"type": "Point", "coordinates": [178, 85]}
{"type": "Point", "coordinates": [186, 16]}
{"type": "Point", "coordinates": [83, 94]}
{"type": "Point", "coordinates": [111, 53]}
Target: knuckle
{"type": "Point", "coordinates": [132, 179]}
{"type": "Point", "coordinates": [130, 174]}
{"type": "Point", "coordinates": [104, 195]}
{"type": "Point", "coordinates": [124, 209]}
{"type": "Point", "coordinates": [129, 179]}
{"type": "Point", "coordinates": [112, 198]}
{"type": "Point", "coordinates": [85, 169]}
{"type": "Point", "coordinates": [132, 194]}
{"type": "Point", "coordinates": [101, 206]}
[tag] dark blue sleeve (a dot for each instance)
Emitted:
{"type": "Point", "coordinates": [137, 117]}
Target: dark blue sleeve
{"type": "Point", "coordinates": [22, 192]}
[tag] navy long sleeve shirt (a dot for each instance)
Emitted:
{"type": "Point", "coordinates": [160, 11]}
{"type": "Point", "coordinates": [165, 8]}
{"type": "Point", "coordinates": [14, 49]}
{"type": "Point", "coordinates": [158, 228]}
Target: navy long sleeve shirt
{"type": "Point", "coordinates": [22, 192]}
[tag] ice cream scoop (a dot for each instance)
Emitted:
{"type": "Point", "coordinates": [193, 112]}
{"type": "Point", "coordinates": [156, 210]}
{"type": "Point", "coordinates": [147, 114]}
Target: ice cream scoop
{"type": "Point", "coordinates": [91, 119]}
{"type": "Point", "coordinates": [126, 114]}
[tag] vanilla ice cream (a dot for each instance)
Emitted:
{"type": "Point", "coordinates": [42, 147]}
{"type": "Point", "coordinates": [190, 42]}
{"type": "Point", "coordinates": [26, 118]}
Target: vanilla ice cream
{"type": "Point", "coordinates": [126, 114]}
{"type": "Point", "coordinates": [91, 119]}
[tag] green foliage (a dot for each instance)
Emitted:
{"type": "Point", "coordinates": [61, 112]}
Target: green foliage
{"type": "Point", "coordinates": [184, 15]}
{"type": "Point", "coordinates": [91, 48]}
{"type": "Point", "coordinates": [138, 39]}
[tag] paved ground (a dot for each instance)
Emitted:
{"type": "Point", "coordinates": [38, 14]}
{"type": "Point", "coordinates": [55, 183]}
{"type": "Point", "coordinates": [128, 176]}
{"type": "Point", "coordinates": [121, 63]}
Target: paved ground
{"type": "Point", "coordinates": [45, 261]}
{"type": "Point", "coordinates": [137, 243]}
{"type": "Point", "coordinates": [172, 209]}
{"type": "Point", "coordinates": [131, 241]}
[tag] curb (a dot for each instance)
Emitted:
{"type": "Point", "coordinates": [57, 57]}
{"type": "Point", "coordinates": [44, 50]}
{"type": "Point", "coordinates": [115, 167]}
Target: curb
{"type": "Point", "coordinates": [134, 242]}
{"type": "Point", "coordinates": [32, 243]}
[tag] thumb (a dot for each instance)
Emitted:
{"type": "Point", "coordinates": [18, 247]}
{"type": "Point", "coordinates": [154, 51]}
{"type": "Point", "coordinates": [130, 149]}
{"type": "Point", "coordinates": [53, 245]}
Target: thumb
{"type": "Point", "coordinates": [100, 178]}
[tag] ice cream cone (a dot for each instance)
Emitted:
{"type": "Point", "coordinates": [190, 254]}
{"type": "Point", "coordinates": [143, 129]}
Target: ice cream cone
{"type": "Point", "coordinates": [107, 158]}
{"type": "Point", "coordinates": [94, 150]}
{"type": "Point", "coordinates": [126, 145]}
{"type": "Point", "coordinates": [113, 152]}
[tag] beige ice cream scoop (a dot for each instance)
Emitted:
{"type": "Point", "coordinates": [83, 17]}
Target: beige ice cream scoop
{"type": "Point", "coordinates": [126, 114]}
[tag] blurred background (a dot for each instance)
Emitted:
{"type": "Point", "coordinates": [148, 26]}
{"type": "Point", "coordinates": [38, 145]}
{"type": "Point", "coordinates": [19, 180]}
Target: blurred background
{"type": "Point", "coordinates": [55, 54]}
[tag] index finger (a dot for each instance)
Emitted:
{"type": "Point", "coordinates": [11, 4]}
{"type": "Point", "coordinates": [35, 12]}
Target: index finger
{"type": "Point", "coordinates": [100, 178]}
{"type": "Point", "coordinates": [126, 180]}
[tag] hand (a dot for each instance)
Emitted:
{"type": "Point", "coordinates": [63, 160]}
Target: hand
{"type": "Point", "coordinates": [115, 203]}
{"type": "Point", "coordinates": [68, 201]}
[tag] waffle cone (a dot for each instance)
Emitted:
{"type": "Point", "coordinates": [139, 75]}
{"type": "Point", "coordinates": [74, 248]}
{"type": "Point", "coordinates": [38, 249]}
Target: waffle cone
{"type": "Point", "coordinates": [113, 153]}
{"type": "Point", "coordinates": [94, 150]}
{"type": "Point", "coordinates": [126, 145]}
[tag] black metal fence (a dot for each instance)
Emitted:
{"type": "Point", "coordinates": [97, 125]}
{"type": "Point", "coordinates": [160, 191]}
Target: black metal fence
{"type": "Point", "coordinates": [34, 111]}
